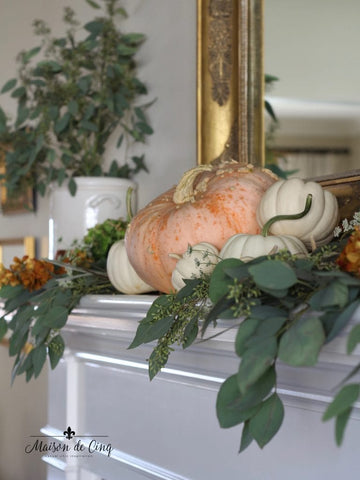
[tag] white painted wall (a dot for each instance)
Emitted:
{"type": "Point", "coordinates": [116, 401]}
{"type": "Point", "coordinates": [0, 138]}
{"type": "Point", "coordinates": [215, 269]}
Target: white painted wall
{"type": "Point", "coordinates": [167, 64]}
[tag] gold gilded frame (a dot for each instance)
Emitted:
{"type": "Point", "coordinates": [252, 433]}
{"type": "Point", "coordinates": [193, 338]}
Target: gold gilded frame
{"type": "Point", "coordinates": [230, 81]}
{"type": "Point", "coordinates": [230, 92]}
{"type": "Point", "coordinates": [26, 244]}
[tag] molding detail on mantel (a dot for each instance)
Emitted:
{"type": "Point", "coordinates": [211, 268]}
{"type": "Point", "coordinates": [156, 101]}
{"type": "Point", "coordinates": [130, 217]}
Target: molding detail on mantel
{"type": "Point", "coordinates": [167, 429]}
{"type": "Point", "coordinates": [112, 321]}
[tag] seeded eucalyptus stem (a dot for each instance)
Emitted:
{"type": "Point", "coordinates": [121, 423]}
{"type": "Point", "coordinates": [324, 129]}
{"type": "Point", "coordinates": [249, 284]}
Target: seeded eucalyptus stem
{"type": "Point", "coordinates": [295, 216]}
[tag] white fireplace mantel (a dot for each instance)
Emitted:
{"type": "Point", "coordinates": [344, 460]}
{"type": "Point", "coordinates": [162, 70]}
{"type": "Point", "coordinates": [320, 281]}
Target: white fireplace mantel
{"type": "Point", "coordinates": [167, 429]}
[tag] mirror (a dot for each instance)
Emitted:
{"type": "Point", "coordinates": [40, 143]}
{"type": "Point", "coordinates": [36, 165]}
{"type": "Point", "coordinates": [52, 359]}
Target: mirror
{"type": "Point", "coordinates": [312, 48]}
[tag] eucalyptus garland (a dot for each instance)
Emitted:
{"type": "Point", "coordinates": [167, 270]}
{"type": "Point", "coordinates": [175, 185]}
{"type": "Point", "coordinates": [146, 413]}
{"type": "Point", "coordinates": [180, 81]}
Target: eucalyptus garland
{"type": "Point", "coordinates": [289, 308]}
{"type": "Point", "coordinates": [39, 295]}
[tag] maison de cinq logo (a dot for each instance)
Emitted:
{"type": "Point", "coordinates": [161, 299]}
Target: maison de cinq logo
{"type": "Point", "coordinates": [74, 445]}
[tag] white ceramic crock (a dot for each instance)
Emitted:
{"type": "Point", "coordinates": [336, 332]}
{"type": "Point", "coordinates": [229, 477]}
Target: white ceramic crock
{"type": "Point", "coordinates": [96, 200]}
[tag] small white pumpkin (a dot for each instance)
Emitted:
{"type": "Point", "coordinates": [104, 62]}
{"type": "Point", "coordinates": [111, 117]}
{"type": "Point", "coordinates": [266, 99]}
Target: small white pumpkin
{"type": "Point", "coordinates": [198, 260]}
{"type": "Point", "coordinates": [286, 197]}
{"type": "Point", "coordinates": [247, 247]}
{"type": "Point", "coordinates": [121, 273]}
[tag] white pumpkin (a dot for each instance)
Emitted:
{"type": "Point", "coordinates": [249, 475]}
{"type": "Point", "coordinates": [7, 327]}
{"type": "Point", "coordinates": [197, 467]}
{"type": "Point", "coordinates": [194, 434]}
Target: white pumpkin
{"type": "Point", "coordinates": [286, 197]}
{"type": "Point", "coordinates": [247, 247]}
{"type": "Point", "coordinates": [121, 273]}
{"type": "Point", "coordinates": [198, 260]}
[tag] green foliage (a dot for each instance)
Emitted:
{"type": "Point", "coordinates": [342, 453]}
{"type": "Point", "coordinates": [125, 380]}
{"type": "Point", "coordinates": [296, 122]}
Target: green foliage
{"type": "Point", "coordinates": [289, 308]}
{"type": "Point", "coordinates": [33, 320]}
{"type": "Point", "coordinates": [84, 90]}
{"type": "Point", "coordinates": [173, 319]}
{"type": "Point", "coordinates": [99, 239]}
{"type": "Point", "coordinates": [39, 316]}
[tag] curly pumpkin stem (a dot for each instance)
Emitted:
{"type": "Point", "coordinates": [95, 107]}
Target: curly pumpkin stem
{"type": "Point", "coordinates": [295, 216]}
{"type": "Point", "coordinates": [184, 191]}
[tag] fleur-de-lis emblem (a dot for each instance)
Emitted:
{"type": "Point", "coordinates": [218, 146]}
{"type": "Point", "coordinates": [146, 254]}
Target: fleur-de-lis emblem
{"type": "Point", "coordinates": [69, 433]}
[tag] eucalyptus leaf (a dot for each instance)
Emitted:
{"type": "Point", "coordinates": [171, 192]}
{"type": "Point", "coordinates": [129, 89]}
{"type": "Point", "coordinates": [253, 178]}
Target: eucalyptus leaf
{"type": "Point", "coordinates": [264, 312]}
{"type": "Point", "coordinates": [49, 66]}
{"type": "Point", "coordinates": [145, 128]}
{"type": "Point", "coordinates": [3, 327]}
{"type": "Point", "coordinates": [9, 85]}
{"type": "Point", "coordinates": [266, 328]}
{"type": "Point", "coordinates": [87, 125]}
{"type": "Point", "coordinates": [93, 4]}
{"type": "Point", "coordinates": [29, 374]}
{"type": "Point", "coordinates": [273, 275]}
{"type": "Point", "coordinates": [353, 339]}
{"type": "Point", "coordinates": [72, 186]}
{"type": "Point", "coordinates": [17, 341]}
{"type": "Point", "coordinates": [342, 401]}
{"type": "Point", "coordinates": [125, 50]}
{"type": "Point", "coordinates": [31, 53]}
{"type": "Point", "coordinates": [336, 294]}
{"type": "Point", "coordinates": [56, 317]}
{"type": "Point", "coordinates": [9, 292]}
{"type": "Point", "coordinates": [73, 107]}
{"type": "Point", "coordinates": [62, 123]}
{"type": "Point", "coordinates": [220, 280]}
{"type": "Point", "coordinates": [301, 343]}
{"type": "Point", "coordinates": [15, 302]}
{"type": "Point", "coordinates": [227, 415]}
{"type": "Point", "coordinates": [267, 421]}
{"type": "Point", "coordinates": [257, 392]}
{"type": "Point", "coordinates": [191, 332]}
{"type": "Point", "coordinates": [148, 332]}
{"type": "Point", "coordinates": [244, 332]}
{"type": "Point", "coordinates": [94, 27]}
{"type": "Point", "coordinates": [133, 38]}
{"type": "Point", "coordinates": [255, 361]}
{"type": "Point", "coordinates": [223, 305]}
{"type": "Point", "coordinates": [342, 319]}
{"type": "Point", "coordinates": [25, 363]}
{"type": "Point", "coordinates": [340, 425]}
{"type": "Point", "coordinates": [246, 437]}
{"type": "Point", "coordinates": [38, 359]}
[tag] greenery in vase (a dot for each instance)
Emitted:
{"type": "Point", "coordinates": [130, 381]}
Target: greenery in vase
{"type": "Point", "coordinates": [83, 90]}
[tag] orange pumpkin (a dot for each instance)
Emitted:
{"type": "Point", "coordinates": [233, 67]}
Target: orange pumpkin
{"type": "Point", "coordinates": [210, 204]}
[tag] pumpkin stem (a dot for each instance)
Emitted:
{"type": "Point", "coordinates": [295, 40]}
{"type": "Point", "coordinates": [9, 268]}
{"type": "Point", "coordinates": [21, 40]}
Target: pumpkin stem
{"type": "Point", "coordinates": [295, 216]}
{"type": "Point", "coordinates": [184, 191]}
{"type": "Point", "coordinates": [128, 204]}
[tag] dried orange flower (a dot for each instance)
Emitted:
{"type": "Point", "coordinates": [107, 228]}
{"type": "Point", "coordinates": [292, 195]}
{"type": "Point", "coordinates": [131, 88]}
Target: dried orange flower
{"type": "Point", "coordinates": [76, 257]}
{"type": "Point", "coordinates": [29, 272]}
{"type": "Point", "coordinates": [349, 259]}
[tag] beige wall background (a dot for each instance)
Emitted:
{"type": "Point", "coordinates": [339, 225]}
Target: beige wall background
{"type": "Point", "coordinates": [167, 64]}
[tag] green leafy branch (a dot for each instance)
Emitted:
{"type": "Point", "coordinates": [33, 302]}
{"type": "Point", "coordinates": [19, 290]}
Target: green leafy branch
{"type": "Point", "coordinates": [33, 320]}
{"type": "Point", "coordinates": [83, 90]}
{"type": "Point", "coordinates": [290, 308]}
{"type": "Point", "coordinates": [173, 319]}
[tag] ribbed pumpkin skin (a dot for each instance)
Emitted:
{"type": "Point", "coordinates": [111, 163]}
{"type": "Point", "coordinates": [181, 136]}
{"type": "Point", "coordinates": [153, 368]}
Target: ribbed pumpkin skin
{"type": "Point", "coordinates": [223, 203]}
